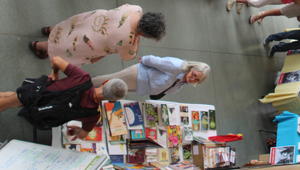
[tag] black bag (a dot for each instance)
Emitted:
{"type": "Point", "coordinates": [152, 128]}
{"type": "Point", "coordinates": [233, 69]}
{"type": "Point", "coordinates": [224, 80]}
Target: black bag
{"type": "Point", "coordinates": [46, 109]}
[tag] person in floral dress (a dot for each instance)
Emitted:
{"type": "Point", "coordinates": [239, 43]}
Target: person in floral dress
{"type": "Point", "coordinates": [87, 37]}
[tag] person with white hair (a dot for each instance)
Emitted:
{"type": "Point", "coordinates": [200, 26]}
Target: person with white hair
{"type": "Point", "coordinates": [158, 76]}
{"type": "Point", "coordinates": [49, 102]}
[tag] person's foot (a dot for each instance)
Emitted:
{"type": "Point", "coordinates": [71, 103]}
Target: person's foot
{"type": "Point", "coordinates": [271, 52]}
{"type": "Point", "coordinates": [230, 4]}
{"type": "Point", "coordinates": [255, 18]}
{"type": "Point", "coordinates": [239, 7]}
{"type": "Point", "coordinates": [33, 46]}
{"type": "Point", "coordinates": [46, 31]}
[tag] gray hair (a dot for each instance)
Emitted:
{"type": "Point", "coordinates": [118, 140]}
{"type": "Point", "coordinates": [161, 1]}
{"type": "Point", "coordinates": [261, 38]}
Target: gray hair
{"type": "Point", "coordinates": [152, 25]}
{"type": "Point", "coordinates": [197, 66]}
{"type": "Point", "coordinates": [115, 89]}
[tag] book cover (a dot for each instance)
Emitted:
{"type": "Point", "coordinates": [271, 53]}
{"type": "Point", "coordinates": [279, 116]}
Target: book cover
{"type": "Point", "coordinates": [184, 115]}
{"type": "Point", "coordinates": [187, 152]}
{"type": "Point", "coordinates": [87, 147]}
{"type": "Point", "coordinates": [133, 114]}
{"type": "Point", "coordinates": [204, 120]}
{"type": "Point", "coordinates": [187, 134]}
{"type": "Point", "coordinates": [151, 133]}
{"type": "Point", "coordinates": [174, 117]}
{"type": "Point", "coordinates": [212, 120]}
{"type": "Point", "coordinates": [174, 136]}
{"type": "Point", "coordinates": [185, 165]}
{"type": "Point", "coordinates": [151, 115]}
{"type": "Point", "coordinates": [289, 77]}
{"type": "Point", "coordinates": [162, 138]}
{"type": "Point", "coordinates": [137, 134]}
{"type": "Point", "coordinates": [195, 120]}
{"type": "Point", "coordinates": [74, 147]}
{"type": "Point", "coordinates": [136, 156]}
{"type": "Point", "coordinates": [151, 155]}
{"type": "Point", "coordinates": [116, 158]}
{"type": "Point", "coordinates": [174, 155]}
{"type": "Point", "coordinates": [116, 119]}
{"type": "Point", "coordinates": [282, 155]}
{"type": "Point", "coordinates": [163, 156]}
{"type": "Point", "coordinates": [164, 112]}
{"type": "Point", "coordinates": [95, 134]}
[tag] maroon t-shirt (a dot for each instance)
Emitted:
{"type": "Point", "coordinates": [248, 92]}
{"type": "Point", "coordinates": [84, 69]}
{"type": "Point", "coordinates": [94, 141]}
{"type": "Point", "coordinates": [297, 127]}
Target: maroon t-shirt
{"type": "Point", "coordinates": [76, 76]}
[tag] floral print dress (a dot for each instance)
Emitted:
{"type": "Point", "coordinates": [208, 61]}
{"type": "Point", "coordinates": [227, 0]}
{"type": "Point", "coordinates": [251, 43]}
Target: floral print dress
{"type": "Point", "coordinates": [87, 37]}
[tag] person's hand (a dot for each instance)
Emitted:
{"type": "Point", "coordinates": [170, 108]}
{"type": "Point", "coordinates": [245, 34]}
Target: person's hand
{"type": "Point", "coordinates": [53, 76]}
{"type": "Point", "coordinates": [77, 132]}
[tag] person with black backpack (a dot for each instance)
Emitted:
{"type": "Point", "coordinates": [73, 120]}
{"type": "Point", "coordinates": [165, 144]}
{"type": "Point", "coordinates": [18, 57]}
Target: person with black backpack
{"type": "Point", "coordinates": [49, 101]}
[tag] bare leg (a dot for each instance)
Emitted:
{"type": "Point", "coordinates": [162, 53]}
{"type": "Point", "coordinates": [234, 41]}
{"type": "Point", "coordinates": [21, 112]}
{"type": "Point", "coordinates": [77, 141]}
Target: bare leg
{"type": "Point", "coordinates": [9, 100]}
{"type": "Point", "coordinates": [262, 15]}
{"type": "Point", "coordinates": [129, 75]}
{"type": "Point", "coordinates": [260, 3]}
{"type": "Point", "coordinates": [42, 45]}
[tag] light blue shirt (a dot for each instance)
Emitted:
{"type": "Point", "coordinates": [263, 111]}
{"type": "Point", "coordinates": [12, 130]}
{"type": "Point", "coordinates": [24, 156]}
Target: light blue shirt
{"type": "Point", "coordinates": [156, 74]}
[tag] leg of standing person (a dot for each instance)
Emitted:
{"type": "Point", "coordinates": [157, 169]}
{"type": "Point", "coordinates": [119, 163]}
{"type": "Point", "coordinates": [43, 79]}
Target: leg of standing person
{"type": "Point", "coordinates": [283, 35]}
{"type": "Point", "coordinates": [253, 3]}
{"type": "Point", "coordinates": [39, 48]}
{"type": "Point", "coordinates": [46, 30]}
{"type": "Point", "coordinates": [263, 14]}
{"type": "Point", "coordinates": [9, 100]}
{"type": "Point", "coordinates": [128, 75]}
{"type": "Point", "coordinates": [283, 47]}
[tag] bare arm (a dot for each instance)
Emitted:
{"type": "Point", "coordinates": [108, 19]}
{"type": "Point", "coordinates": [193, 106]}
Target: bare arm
{"type": "Point", "coordinates": [58, 64]}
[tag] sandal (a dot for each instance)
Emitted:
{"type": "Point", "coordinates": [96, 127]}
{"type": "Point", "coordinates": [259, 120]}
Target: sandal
{"type": "Point", "coordinates": [46, 31]}
{"type": "Point", "coordinates": [39, 53]}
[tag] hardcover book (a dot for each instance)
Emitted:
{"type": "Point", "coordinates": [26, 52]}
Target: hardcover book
{"type": "Point", "coordinates": [151, 133]}
{"type": "Point", "coordinates": [204, 120]}
{"type": "Point", "coordinates": [133, 114]}
{"type": "Point", "coordinates": [163, 156]}
{"type": "Point", "coordinates": [187, 152]}
{"type": "Point", "coordinates": [212, 120]}
{"type": "Point", "coordinates": [174, 155]}
{"type": "Point", "coordinates": [151, 115]}
{"type": "Point", "coordinates": [137, 134]}
{"type": "Point", "coordinates": [115, 119]}
{"type": "Point", "coordinates": [162, 138]}
{"type": "Point", "coordinates": [184, 115]}
{"type": "Point", "coordinates": [136, 156]}
{"type": "Point", "coordinates": [187, 134]}
{"type": "Point", "coordinates": [164, 112]}
{"type": "Point", "coordinates": [196, 120]}
{"type": "Point", "coordinates": [174, 136]}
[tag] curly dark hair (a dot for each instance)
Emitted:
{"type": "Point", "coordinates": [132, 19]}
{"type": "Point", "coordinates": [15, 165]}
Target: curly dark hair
{"type": "Point", "coordinates": [152, 25]}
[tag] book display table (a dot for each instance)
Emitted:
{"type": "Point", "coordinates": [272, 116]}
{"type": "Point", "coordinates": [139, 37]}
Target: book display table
{"type": "Point", "coordinates": [286, 93]}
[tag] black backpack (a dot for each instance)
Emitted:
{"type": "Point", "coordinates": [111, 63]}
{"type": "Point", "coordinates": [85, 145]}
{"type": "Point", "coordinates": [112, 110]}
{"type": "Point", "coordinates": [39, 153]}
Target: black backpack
{"type": "Point", "coordinates": [46, 109]}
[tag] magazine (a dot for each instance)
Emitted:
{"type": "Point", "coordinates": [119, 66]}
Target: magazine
{"type": "Point", "coordinates": [282, 155]}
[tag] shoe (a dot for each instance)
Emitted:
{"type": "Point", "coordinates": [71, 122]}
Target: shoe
{"type": "Point", "coordinates": [239, 7]}
{"type": "Point", "coordinates": [271, 52]}
{"type": "Point", "coordinates": [230, 4]}
{"type": "Point", "coordinates": [46, 31]}
{"type": "Point", "coordinates": [266, 43]}
{"type": "Point", "coordinates": [39, 53]}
